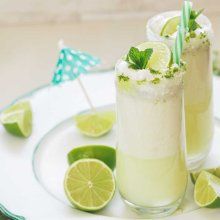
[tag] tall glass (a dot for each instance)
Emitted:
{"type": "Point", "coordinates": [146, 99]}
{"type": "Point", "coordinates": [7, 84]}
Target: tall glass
{"type": "Point", "coordinates": [150, 169]}
{"type": "Point", "coordinates": [197, 84]}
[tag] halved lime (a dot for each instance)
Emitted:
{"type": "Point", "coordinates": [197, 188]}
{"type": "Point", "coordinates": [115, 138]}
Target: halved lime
{"type": "Point", "coordinates": [17, 119]}
{"type": "Point", "coordinates": [95, 124]}
{"type": "Point", "coordinates": [207, 190]}
{"type": "Point", "coordinates": [161, 57]}
{"type": "Point", "coordinates": [89, 184]}
{"type": "Point", "coordinates": [215, 171]}
{"type": "Point", "coordinates": [104, 153]}
{"type": "Point", "coordinates": [170, 26]}
{"type": "Point", "coordinates": [109, 115]}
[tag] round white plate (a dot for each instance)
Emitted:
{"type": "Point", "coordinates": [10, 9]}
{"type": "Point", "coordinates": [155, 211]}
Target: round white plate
{"type": "Point", "coordinates": [50, 165]}
{"type": "Point", "coordinates": [32, 169]}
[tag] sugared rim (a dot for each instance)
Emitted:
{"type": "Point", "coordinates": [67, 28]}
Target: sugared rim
{"type": "Point", "coordinates": [154, 33]}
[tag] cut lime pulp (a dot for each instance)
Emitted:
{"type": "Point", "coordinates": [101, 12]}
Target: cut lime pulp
{"type": "Point", "coordinates": [17, 119]}
{"type": "Point", "coordinates": [170, 26]}
{"type": "Point", "coordinates": [95, 124]}
{"type": "Point", "coordinates": [215, 171]}
{"type": "Point", "coordinates": [161, 56]}
{"type": "Point", "coordinates": [89, 184]}
{"type": "Point", "coordinates": [207, 190]}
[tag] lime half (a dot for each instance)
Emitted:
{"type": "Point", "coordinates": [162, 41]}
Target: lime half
{"type": "Point", "coordinates": [207, 190]}
{"type": "Point", "coordinates": [95, 124]}
{"type": "Point", "coordinates": [215, 171]}
{"type": "Point", "coordinates": [104, 153]}
{"type": "Point", "coordinates": [89, 184]}
{"type": "Point", "coordinates": [17, 119]}
{"type": "Point", "coordinates": [161, 57]}
{"type": "Point", "coordinates": [170, 26]}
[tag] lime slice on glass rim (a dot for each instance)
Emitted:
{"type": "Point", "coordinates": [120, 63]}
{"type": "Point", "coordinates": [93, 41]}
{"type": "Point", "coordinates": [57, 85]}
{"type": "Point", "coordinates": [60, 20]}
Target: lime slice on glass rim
{"type": "Point", "coordinates": [17, 119]}
{"type": "Point", "coordinates": [95, 124]}
{"type": "Point", "coordinates": [104, 153]}
{"type": "Point", "coordinates": [207, 190]}
{"type": "Point", "coordinates": [89, 184]}
{"type": "Point", "coordinates": [170, 26]}
{"type": "Point", "coordinates": [161, 56]}
{"type": "Point", "coordinates": [215, 171]}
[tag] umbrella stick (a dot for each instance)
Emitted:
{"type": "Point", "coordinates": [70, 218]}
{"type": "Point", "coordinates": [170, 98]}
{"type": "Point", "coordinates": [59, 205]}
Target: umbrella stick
{"type": "Point", "coordinates": [86, 95]}
{"type": "Point", "coordinates": [61, 46]}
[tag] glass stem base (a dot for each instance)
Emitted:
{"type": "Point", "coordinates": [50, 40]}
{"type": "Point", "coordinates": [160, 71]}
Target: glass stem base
{"type": "Point", "coordinates": [154, 212]}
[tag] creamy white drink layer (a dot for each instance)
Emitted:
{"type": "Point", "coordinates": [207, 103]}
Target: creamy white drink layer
{"type": "Point", "coordinates": [152, 110]}
{"type": "Point", "coordinates": [156, 23]}
{"type": "Point", "coordinates": [149, 137]}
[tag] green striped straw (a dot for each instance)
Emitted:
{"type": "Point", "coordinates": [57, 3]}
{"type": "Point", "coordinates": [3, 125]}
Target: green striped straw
{"type": "Point", "coordinates": [182, 30]}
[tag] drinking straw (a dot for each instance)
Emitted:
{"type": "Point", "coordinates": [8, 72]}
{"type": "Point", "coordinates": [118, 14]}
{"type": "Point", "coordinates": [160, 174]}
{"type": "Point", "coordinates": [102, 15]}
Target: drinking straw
{"type": "Point", "coordinates": [182, 30]}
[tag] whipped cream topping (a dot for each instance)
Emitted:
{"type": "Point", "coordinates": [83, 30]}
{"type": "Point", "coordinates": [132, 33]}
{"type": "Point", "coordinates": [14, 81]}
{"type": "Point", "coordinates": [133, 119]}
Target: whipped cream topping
{"type": "Point", "coordinates": [122, 68]}
{"type": "Point", "coordinates": [156, 23]}
{"type": "Point", "coordinates": [142, 81]}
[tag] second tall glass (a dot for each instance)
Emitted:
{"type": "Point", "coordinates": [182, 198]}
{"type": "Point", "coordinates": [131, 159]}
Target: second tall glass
{"type": "Point", "coordinates": [197, 84]}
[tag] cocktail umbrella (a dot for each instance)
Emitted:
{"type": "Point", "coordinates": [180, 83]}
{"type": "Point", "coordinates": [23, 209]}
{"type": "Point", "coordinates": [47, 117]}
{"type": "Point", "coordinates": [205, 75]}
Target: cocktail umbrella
{"type": "Point", "coordinates": [70, 65]}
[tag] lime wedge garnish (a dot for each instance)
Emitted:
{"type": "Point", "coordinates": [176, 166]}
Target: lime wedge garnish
{"type": "Point", "coordinates": [207, 190]}
{"type": "Point", "coordinates": [95, 124]}
{"type": "Point", "coordinates": [170, 26]}
{"type": "Point", "coordinates": [109, 115]}
{"type": "Point", "coordinates": [104, 153]}
{"type": "Point", "coordinates": [17, 119]}
{"type": "Point", "coordinates": [161, 57]}
{"type": "Point", "coordinates": [89, 184]}
{"type": "Point", "coordinates": [215, 171]}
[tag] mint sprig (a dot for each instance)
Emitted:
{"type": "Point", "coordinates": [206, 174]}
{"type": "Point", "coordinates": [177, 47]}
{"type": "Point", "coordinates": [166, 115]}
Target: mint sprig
{"type": "Point", "coordinates": [193, 25]}
{"type": "Point", "coordinates": [138, 59]}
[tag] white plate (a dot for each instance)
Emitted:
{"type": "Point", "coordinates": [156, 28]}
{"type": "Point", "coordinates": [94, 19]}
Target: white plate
{"type": "Point", "coordinates": [20, 191]}
{"type": "Point", "coordinates": [50, 165]}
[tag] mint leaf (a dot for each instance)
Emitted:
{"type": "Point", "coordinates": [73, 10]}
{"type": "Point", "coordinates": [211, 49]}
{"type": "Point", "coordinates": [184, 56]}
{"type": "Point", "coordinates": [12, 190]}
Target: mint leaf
{"type": "Point", "coordinates": [199, 13]}
{"type": "Point", "coordinates": [193, 25]}
{"type": "Point", "coordinates": [146, 55]}
{"type": "Point", "coordinates": [138, 59]}
{"type": "Point", "coordinates": [133, 54]}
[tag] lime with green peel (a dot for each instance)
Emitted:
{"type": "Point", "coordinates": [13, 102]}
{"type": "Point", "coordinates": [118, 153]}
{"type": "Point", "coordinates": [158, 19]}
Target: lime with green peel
{"type": "Point", "coordinates": [170, 26]}
{"type": "Point", "coordinates": [95, 124]}
{"type": "Point", "coordinates": [215, 171]}
{"type": "Point", "coordinates": [89, 184]}
{"type": "Point", "coordinates": [161, 56]}
{"type": "Point", "coordinates": [104, 153]}
{"type": "Point", "coordinates": [17, 119]}
{"type": "Point", "coordinates": [207, 190]}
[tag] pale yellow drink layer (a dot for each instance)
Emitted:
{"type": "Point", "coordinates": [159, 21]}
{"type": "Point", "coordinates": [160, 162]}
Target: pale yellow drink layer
{"type": "Point", "coordinates": [198, 101]}
{"type": "Point", "coordinates": [151, 182]}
